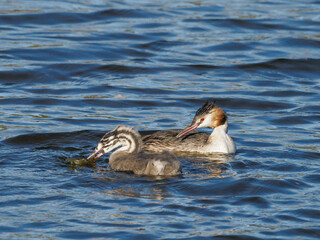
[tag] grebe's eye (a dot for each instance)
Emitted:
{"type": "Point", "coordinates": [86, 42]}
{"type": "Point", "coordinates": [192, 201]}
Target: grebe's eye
{"type": "Point", "coordinates": [202, 119]}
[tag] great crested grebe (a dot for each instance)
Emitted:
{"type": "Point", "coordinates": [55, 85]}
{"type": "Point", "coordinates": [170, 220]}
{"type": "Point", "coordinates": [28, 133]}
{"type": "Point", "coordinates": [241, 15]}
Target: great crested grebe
{"type": "Point", "coordinates": [130, 157]}
{"type": "Point", "coordinates": [190, 140]}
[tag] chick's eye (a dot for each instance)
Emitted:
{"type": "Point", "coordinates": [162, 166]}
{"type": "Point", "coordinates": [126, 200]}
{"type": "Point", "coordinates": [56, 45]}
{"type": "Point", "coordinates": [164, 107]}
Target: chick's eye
{"type": "Point", "coordinates": [202, 119]}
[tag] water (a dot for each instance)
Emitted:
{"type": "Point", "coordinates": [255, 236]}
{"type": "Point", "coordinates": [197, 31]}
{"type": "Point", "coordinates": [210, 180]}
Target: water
{"type": "Point", "coordinates": [72, 70]}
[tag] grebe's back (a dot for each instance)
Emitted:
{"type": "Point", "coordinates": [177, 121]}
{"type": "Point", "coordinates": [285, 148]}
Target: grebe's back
{"type": "Point", "coordinates": [159, 141]}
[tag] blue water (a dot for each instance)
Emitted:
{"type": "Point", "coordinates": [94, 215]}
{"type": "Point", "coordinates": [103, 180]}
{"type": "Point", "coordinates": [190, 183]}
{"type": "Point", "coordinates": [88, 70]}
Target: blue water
{"type": "Point", "coordinates": [72, 70]}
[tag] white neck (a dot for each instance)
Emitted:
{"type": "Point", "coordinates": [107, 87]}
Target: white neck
{"type": "Point", "coordinates": [222, 129]}
{"type": "Point", "coordinates": [220, 141]}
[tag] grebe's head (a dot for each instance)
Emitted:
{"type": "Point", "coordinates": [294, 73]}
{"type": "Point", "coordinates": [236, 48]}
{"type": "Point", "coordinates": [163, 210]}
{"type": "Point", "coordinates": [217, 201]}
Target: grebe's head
{"type": "Point", "coordinates": [123, 137]}
{"type": "Point", "coordinates": [209, 115]}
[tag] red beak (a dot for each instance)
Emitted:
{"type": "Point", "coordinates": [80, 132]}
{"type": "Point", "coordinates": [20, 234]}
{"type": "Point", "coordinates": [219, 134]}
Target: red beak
{"type": "Point", "coordinates": [188, 129]}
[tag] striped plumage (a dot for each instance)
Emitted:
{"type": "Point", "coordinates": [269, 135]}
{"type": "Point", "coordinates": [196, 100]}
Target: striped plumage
{"type": "Point", "coordinates": [129, 157]}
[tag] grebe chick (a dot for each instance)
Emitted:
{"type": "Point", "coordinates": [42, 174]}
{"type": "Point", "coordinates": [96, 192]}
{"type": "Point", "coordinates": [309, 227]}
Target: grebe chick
{"type": "Point", "coordinates": [190, 140]}
{"type": "Point", "coordinates": [129, 157]}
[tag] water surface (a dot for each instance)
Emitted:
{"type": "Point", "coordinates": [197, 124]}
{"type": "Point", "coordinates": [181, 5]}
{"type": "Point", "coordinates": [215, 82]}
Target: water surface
{"type": "Point", "coordinates": [70, 71]}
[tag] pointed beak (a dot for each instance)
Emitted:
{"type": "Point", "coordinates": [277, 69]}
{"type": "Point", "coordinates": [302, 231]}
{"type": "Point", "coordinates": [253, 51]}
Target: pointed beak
{"type": "Point", "coordinates": [188, 129]}
{"type": "Point", "coordinates": [96, 154]}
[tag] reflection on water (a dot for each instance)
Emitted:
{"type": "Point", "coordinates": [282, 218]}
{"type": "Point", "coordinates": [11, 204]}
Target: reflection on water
{"type": "Point", "coordinates": [198, 166]}
{"type": "Point", "coordinates": [73, 70]}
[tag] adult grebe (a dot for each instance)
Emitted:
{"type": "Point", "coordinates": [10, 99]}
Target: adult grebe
{"type": "Point", "coordinates": [129, 157]}
{"type": "Point", "coordinates": [190, 140]}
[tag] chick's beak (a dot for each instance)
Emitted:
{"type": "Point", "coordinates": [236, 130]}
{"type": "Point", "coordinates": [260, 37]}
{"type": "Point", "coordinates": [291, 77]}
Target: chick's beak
{"type": "Point", "coordinates": [188, 129]}
{"type": "Point", "coordinates": [98, 152]}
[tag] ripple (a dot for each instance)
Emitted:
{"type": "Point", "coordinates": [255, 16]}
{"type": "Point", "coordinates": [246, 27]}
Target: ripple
{"type": "Point", "coordinates": [53, 18]}
{"type": "Point", "coordinates": [161, 45]}
{"type": "Point", "coordinates": [291, 120]}
{"type": "Point", "coordinates": [300, 42]}
{"type": "Point", "coordinates": [231, 46]}
{"type": "Point", "coordinates": [120, 69]}
{"type": "Point", "coordinates": [307, 213]}
{"type": "Point", "coordinates": [246, 186]}
{"type": "Point", "coordinates": [290, 66]}
{"type": "Point", "coordinates": [241, 23]}
{"type": "Point", "coordinates": [254, 201]}
{"type": "Point", "coordinates": [313, 178]}
{"type": "Point", "coordinates": [296, 232]}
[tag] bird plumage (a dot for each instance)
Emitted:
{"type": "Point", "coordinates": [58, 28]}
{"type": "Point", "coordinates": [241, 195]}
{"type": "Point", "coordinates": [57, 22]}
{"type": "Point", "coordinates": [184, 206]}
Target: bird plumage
{"type": "Point", "coordinates": [190, 140]}
{"type": "Point", "coordinates": [130, 157]}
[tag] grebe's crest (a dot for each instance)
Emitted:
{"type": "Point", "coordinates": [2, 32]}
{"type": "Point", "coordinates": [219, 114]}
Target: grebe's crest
{"type": "Point", "coordinates": [206, 108]}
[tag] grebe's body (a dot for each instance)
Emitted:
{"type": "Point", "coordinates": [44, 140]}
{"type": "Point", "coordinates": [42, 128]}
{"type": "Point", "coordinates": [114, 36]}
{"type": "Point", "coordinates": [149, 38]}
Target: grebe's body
{"type": "Point", "coordinates": [194, 141]}
{"type": "Point", "coordinates": [190, 140]}
{"type": "Point", "coordinates": [129, 157]}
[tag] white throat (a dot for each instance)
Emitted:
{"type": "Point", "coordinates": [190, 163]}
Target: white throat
{"type": "Point", "coordinates": [222, 129]}
{"type": "Point", "coordinates": [220, 141]}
